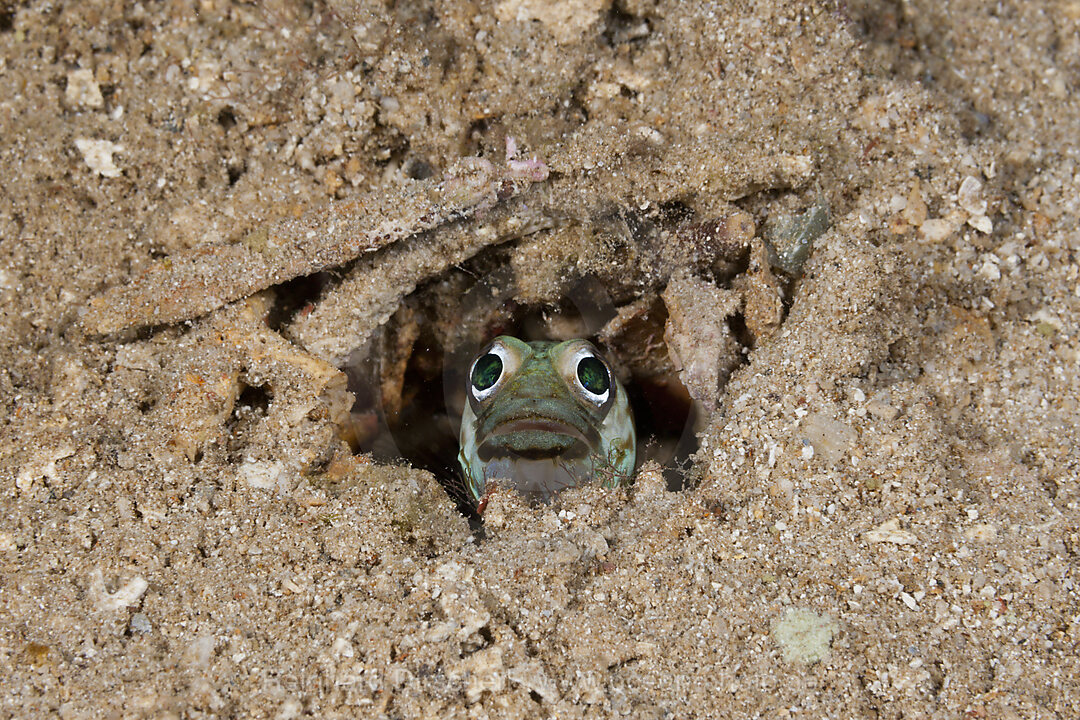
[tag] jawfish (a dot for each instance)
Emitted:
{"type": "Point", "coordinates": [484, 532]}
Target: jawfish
{"type": "Point", "coordinates": [544, 416]}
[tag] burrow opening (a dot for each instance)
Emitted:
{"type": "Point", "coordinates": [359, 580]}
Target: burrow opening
{"type": "Point", "coordinates": [413, 411]}
{"type": "Point", "coordinates": [409, 380]}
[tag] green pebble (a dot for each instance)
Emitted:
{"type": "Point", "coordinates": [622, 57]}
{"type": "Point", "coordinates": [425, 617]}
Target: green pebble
{"type": "Point", "coordinates": [790, 238]}
{"type": "Point", "coordinates": [804, 636]}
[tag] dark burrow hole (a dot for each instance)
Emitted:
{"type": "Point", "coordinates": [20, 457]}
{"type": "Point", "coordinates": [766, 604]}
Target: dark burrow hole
{"type": "Point", "coordinates": [410, 388]}
{"type": "Point", "coordinates": [661, 406]}
{"type": "Point", "coordinates": [622, 26]}
{"type": "Point", "coordinates": [234, 171]}
{"type": "Point", "coordinates": [251, 406]}
{"type": "Point", "coordinates": [418, 168]}
{"type": "Point", "coordinates": [226, 118]}
{"type": "Point", "coordinates": [296, 297]}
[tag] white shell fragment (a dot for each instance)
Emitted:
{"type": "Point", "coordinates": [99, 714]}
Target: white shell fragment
{"type": "Point", "coordinates": [982, 531]}
{"type": "Point", "coordinates": [890, 532]}
{"type": "Point", "coordinates": [831, 438]}
{"type": "Point", "coordinates": [971, 199]}
{"type": "Point", "coordinates": [128, 594]}
{"type": "Point", "coordinates": [82, 90]}
{"type": "Point", "coordinates": [42, 465]}
{"type": "Point", "coordinates": [98, 155]}
{"type": "Point", "coordinates": [263, 475]}
{"type": "Point", "coordinates": [936, 230]}
{"type": "Point", "coordinates": [804, 636]}
{"type": "Point", "coordinates": [970, 196]}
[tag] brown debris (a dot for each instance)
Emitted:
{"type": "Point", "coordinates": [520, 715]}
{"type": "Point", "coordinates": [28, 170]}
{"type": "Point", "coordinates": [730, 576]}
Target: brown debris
{"type": "Point", "coordinates": [635, 337]}
{"type": "Point", "coordinates": [397, 347]}
{"type": "Point", "coordinates": [308, 396]}
{"type": "Point", "coordinates": [764, 307]}
{"type": "Point", "coordinates": [718, 241]}
{"type": "Point", "coordinates": [698, 338]}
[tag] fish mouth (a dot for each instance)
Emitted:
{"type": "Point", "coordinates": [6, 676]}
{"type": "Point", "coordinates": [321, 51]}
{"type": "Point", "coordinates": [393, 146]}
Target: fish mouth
{"type": "Point", "coordinates": [539, 425]}
{"type": "Point", "coordinates": [539, 479]}
{"type": "Point", "coordinates": [535, 438]}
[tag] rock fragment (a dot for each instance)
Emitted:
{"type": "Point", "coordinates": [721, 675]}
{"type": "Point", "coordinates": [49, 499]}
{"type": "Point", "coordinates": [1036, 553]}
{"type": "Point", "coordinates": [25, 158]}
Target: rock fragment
{"type": "Point", "coordinates": [98, 155]}
{"type": "Point", "coordinates": [192, 283]}
{"type": "Point", "coordinates": [486, 673]}
{"type": "Point", "coordinates": [347, 315]}
{"type": "Point", "coordinates": [566, 20]}
{"type": "Point", "coordinates": [700, 343]}
{"type": "Point", "coordinates": [789, 238]}
{"type": "Point", "coordinates": [532, 677]}
{"type": "Point", "coordinates": [890, 532]}
{"type": "Point", "coordinates": [82, 91]}
{"type": "Point", "coordinates": [208, 369]}
{"type": "Point", "coordinates": [804, 636]}
{"type": "Point", "coordinates": [762, 296]}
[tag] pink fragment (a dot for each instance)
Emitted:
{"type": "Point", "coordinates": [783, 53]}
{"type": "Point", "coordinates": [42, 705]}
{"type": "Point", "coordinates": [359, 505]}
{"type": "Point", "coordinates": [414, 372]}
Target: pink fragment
{"type": "Point", "coordinates": [533, 169]}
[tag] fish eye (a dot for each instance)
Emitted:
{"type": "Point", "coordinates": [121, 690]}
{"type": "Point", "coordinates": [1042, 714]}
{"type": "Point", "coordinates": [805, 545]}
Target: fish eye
{"type": "Point", "coordinates": [486, 372]}
{"type": "Point", "coordinates": [593, 376]}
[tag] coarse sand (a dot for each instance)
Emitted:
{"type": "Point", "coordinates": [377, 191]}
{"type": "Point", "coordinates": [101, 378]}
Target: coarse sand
{"type": "Point", "coordinates": [881, 516]}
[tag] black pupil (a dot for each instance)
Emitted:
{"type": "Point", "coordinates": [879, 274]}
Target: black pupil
{"type": "Point", "coordinates": [486, 371]}
{"type": "Point", "coordinates": [593, 375]}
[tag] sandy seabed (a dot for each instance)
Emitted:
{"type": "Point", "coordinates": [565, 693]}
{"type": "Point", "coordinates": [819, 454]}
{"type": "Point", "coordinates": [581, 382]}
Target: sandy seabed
{"type": "Point", "coordinates": [883, 517]}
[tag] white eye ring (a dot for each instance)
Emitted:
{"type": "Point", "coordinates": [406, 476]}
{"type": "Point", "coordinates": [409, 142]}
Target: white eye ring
{"type": "Point", "coordinates": [504, 358]}
{"type": "Point", "coordinates": [597, 398]}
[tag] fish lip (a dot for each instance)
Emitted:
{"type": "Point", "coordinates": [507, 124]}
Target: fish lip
{"type": "Point", "coordinates": [498, 442]}
{"type": "Point", "coordinates": [550, 425]}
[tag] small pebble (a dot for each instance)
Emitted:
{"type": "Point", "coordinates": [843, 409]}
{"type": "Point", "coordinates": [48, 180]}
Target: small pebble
{"type": "Point", "coordinates": [82, 90]}
{"type": "Point", "coordinates": [879, 408]}
{"type": "Point", "coordinates": [936, 230]}
{"type": "Point", "coordinates": [140, 623]}
{"type": "Point", "coordinates": [98, 155]}
{"type": "Point", "coordinates": [990, 271]}
{"type": "Point", "coordinates": [970, 196]}
{"type": "Point", "coordinates": [981, 223]}
{"type": "Point", "coordinates": [914, 211]}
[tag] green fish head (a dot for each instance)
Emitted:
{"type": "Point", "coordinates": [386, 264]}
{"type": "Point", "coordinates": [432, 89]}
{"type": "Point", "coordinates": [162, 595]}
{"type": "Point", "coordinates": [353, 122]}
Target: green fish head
{"type": "Point", "coordinates": [544, 416]}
